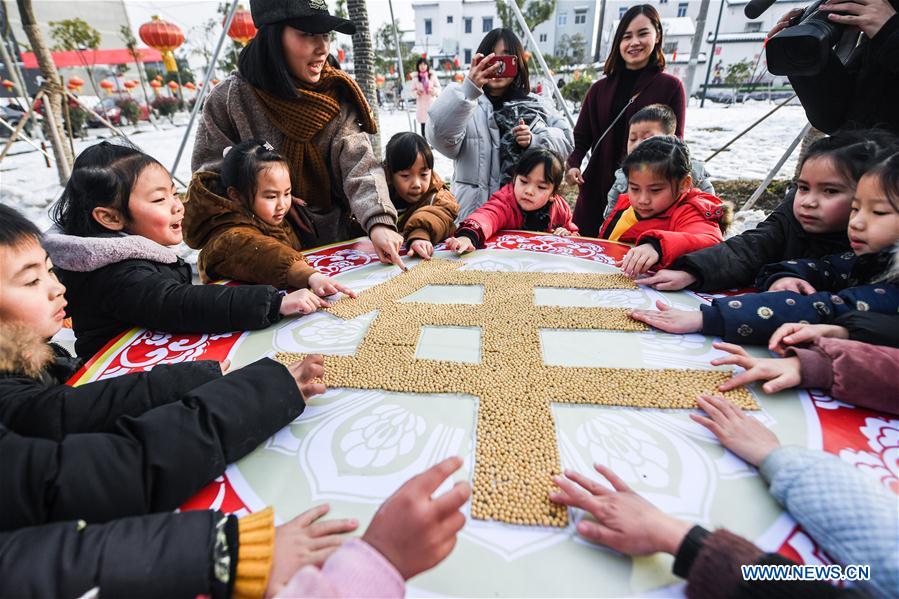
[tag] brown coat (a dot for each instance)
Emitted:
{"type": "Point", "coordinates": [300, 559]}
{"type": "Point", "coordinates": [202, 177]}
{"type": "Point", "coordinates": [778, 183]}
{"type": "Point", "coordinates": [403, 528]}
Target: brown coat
{"type": "Point", "coordinates": [433, 217]}
{"type": "Point", "coordinates": [233, 243]}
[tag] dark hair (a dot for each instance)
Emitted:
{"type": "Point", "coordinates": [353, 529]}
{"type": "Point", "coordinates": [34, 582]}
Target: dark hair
{"type": "Point", "coordinates": [656, 113]}
{"type": "Point", "coordinates": [403, 150]}
{"type": "Point", "coordinates": [15, 229]}
{"type": "Point", "coordinates": [614, 62]}
{"type": "Point", "coordinates": [419, 62]}
{"type": "Point", "coordinates": [852, 152]}
{"type": "Point", "coordinates": [666, 155]}
{"type": "Point", "coordinates": [553, 168]}
{"type": "Point", "coordinates": [242, 164]}
{"type": "Point", "coordinates": [103, 176]}
{"type": "Point", "coordinates": [513, 45]}
{"type": "Point", "coordinates": [261, 63]}
{"type": "Point", "coordinates": [887, 173]}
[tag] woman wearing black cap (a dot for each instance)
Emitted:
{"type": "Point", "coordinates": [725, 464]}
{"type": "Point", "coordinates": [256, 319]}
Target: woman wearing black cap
{"type": "Point", "coordinates": [286, 92]}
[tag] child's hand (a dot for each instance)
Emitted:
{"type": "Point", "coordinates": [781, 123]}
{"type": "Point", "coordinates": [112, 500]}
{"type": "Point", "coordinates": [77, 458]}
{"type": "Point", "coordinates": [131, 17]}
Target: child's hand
{"type": "Point", "coordinates": [421, 247]}
{"type": "Point", "coordinates": [670, 320]}
{"type": "Point", "coordinates": [794, 333]}
{"type": "Point", "coordinates": [225, 365]}
{"type": "Point", "coordinates": [304, 542]}
{"type": "Point", "coordinates": [742, 434]}
{"type": "Point", "coordinates": [301, 302]}
{"type": "Point", "coordinates": [308, 373]}
{"type": "Point", "coordinates": [562, 232]}
{"type": "Point", "coordinates": [638, 260]}
{"type": "Point", "coordinates": [573, 177]}
{"type": "Point", "coordinates": [414, 531]}
{"type": "Point", "coordinates": [792, 284]}
{"type": "Point", "coordinates": [323, 286]}
{"type": "Point", "coordinates": [460, 245]}
{"type": "Point", "coordinates": [624, 521]}
{"type": "Point", "coordinates": [668, 280]}
{"type": "Point", "coordinates": [780, 374]}
{"type": "Point", "coordinates": [522, 134]}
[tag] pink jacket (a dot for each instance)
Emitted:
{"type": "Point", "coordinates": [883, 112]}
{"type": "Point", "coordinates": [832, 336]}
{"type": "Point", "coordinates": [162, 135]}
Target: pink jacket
{"type": "Point", "coordinates": [354, 570]}
{"type": "Point", "coordinates": [858, 373]}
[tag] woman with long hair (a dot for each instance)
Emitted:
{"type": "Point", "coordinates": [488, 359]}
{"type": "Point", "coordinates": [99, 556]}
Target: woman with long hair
{"type": "Point", "coordinates": [287, 93]}
{"type": "Point", "coordinates": [426, 87]}
{"type": "Point", "coordinates": [634, 78]}
{"type": "Point", "coordinates": [486, 122]}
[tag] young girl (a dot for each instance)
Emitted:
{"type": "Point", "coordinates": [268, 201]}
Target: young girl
{"type": "Point", "coordinates": [814, 291]}
{"type": "Point", "coordinates": [241, 223]}
{"type": "Point", "coordinates": [117, 218]}
{"type": "Point", "coordinates": [809, 223]}
{"type": "Point", "coordinates": [662, 214]}
{"type": "Point", "coordinates": [529, 202]}
{"type": "Point", "coordinates": [426, 210]}
{"type": "Point", "coordinates": [426, 87]}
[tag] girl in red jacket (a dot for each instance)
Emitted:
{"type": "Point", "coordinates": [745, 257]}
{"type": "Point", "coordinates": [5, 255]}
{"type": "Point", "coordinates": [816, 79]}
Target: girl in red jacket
{"type": "Point", "coordinates": [662, 214]}
{"type": "Point", "coordinates": [529, 202]}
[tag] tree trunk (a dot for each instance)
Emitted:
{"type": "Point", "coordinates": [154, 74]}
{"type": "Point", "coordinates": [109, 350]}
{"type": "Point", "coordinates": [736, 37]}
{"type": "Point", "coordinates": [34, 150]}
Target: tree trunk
{"type": "Point", "coordinates": [363, 63]}
{"type": "Point", "coordinates": [54, 96]}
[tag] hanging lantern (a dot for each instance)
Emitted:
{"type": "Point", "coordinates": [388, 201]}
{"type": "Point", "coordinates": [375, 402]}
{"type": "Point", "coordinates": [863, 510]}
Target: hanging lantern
{"type": "Point", "coordinates": [242, 29]}
{"type": "Point", "coordinates": [129, 85]}
{"type": "Point", "coordinates": [341, 55]}
{"type": "Point", "coordinates": [159, 78]}
{"type": "Point", "coordinates": [173, 85]}
{"type": "Point", "coordinates": [189, 85]}
{"type": "Point", "coordinates": [214, 82]}
{"type": "Point", "coordinates": [379, 80]}
{"type": "Point", "coordinates": [164, 37]}
{"type": "Point", "coordinates": [75, 84]}
{"type": "Point", "coordinates": [527, 56]}
{"type": "Point", "coordinates": [8, 85]}
{"type": "Point", "coordinates": [456, 63]}
{"type": "Point", "coordinates": [155, 85]}
{"type": "Point", "coordinates": [458, 77]}
{"type": "Point", "coordinates": [107, 85]}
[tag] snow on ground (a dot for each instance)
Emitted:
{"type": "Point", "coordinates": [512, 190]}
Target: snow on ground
{"type": "Point", "coordinates": [29, 185]}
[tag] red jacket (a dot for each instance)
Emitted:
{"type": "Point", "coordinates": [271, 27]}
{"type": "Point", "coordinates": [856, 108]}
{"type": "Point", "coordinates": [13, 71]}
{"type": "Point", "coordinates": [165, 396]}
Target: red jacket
{"type": "Point", "coordinates": [503, 212]}
{"type": "Point", "coordinates": [690, 224]}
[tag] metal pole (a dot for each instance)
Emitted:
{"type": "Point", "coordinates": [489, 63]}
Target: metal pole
{"type": "Point", "coordinates": [711, 57]}
{"type": "Point", "coordinates": [750, 127]}
{"type": "Point", "coordinates": [540, 60]}
{"type": "Point", "coordinates": [597, 56]}
{"type": "Point", "coordinates": [697, 44]}
{"type": "Point", "coordinates": [103, 121]}
{"type": "Point", "coordinates": [399, 60]}
{"type": "Point", "coordinates": [201, 93]}
{"type": "Point", "coordinates": [773, 172]}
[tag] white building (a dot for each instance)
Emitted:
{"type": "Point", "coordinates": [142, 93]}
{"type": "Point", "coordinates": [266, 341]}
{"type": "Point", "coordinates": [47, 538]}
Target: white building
{"type": "Point", "coordinates": [454, 28]}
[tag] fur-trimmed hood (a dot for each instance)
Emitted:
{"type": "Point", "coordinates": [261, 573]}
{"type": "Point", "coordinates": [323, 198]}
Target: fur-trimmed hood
{"type": "Point", "coordinates": [87, 254]}
{"type": "Point", "coordinates": [22, 351]}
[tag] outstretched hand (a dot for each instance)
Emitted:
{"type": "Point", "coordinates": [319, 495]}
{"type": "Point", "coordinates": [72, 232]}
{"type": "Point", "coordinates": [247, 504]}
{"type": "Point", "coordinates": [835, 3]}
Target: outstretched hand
{"type": "Point", "coordinates": [778, 374]}
{"type": "Point", "coordinates": [669, 319]}
{"type": "Point", "coordinates": [795, 333]}
{"type": "Point", "coordinates": [737, 431]}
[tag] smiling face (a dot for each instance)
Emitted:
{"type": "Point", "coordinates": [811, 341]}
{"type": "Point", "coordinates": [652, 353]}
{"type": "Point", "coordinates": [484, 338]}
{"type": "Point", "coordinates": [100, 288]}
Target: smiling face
{"type": "Point", "coordinates": [874, 222]}
{"type": "Point", "coordinates": [533, 190]}
{"type": "Point", "coordinates": [638, 42]}
{"type": "Point", "coordinates": [305, 53]}
{"type": "Point", "coordinates": [411, 183]}
{"type": "Point", "coordinates": [823, 196]}
{"type": "Point", "coordinates": [273, 197]}
{"type": "Point", "coordinates": [30, 293]}
{"type": "Point", "coordinates": [650, 193]}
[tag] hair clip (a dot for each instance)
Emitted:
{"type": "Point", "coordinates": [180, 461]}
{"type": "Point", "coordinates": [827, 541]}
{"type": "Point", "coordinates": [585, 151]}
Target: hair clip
{"type": "Point", "coordinates": [268, 146]}
{"type": "Point", "coordinates": [226, 150]}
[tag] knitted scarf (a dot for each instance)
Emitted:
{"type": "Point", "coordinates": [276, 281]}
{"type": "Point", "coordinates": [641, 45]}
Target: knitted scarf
{"type": "Point", "coordinates": [301, 118]}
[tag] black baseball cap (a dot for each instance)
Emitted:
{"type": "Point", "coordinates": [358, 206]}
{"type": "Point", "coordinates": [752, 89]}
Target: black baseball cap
{"type": "Point", "coordinates": [311, 16]}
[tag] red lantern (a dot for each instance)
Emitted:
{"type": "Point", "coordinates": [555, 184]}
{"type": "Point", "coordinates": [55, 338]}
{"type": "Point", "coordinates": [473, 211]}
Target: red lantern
{"type": "Point", "coordinates": [8, 85]}
{"type": "Point", "coordinates": [75, 84]}
{"type": "Point", "coordinates": [173, 85]}
{"type": "Point", "coordinates": [527, 56]}
{"type": "Point", "coordinates": [155, 85]}
{"type": "Point", "coordinates": [458, 77]}
{"type": "Point", "coordinates": [379, 80]}
{"type": "Point", "coordinates": [215, 82]}
{"type": "Point", "coordinates": [341, 55]}
{"type": "Point", "coordinates": [129, 85]}
{"type": "Point", "coordinates": [242, 29]}
{"type": "Point", "coordinates": [456, 63]}
{"type": "Point", "coordinates": [107, 85]}
{"type": "Point", "coordinates": [189, 85]}
{"type": "Point", "coordinates": [164, 37]}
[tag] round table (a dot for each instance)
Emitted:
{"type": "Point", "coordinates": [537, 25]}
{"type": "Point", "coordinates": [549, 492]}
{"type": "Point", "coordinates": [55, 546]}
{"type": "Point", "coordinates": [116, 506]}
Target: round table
{"type": "Point", "coordinates": [352, 448]}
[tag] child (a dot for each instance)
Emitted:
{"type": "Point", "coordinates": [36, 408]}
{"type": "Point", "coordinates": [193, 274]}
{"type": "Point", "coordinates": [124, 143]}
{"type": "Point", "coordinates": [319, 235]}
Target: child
{"type": "Point", "coordinates": [854, 518]}
{"type": "Point", "coordinates": [662, 213]}
{"type": "Point", "coordinates": [652, 121]}
{"type": "Point", "coordinates": [244, 223]}
{"type": "Point", "coordinates": [529, 202]}
{"type": "Point", "coordinates": [814, 291]}
{"type": "Point", "coordinates": [117, 217]}
{"type": "Point", "coordinates": [425, 207]}
{"type": "Point", "coordinates": [809, 223]}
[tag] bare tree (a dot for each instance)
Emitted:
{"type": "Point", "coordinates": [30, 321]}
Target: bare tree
{"type": "Point", "coordinates": [55, 92]}
{"type": "Point", "coordinates": [364, 63]}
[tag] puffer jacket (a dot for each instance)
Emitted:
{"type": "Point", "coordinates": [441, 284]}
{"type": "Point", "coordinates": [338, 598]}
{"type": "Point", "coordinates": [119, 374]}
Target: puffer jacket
{"type": "Point", "coordinates": [432, 218]}
{"type": "Point", "coordinates": [461, 126]}
{"type": "Point", "coordinates": [701, 181]}
{"type": "Point", "coordinates": [233, 243]}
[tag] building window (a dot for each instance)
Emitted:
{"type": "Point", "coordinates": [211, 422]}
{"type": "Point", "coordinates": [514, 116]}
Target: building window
{"type": "Point", "coordinates": [467, 55]}
{"type": "Point", "coordinates": [427, 26]}
{"type": "Point", "coordinates": [449, 18]}
{"type": "Point", "coordinates": [487, 23]}
{"type": "Point", "coordinates": [562, 19]}
{"type": "Point", "coordinates": [753, 27]}
{"type": "Point", "coordinates": [682, 9]}
{"type": "Point", "coordinates": [467, 21]}
{"type": "Point", "coordinates": [669, 47]}
{"type": "Point", "coordinates": [621, 11]}
{"type": "Point", "coordinates": [542, 38]}
{"type": "Point", "coordinates": [663, 1]}
{"type": "Point", "coordinates": [580, 16]}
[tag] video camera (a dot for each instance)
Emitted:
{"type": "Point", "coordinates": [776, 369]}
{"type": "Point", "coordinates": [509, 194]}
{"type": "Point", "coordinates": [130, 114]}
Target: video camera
{"type": "Point", "coordinates": [804, 47]}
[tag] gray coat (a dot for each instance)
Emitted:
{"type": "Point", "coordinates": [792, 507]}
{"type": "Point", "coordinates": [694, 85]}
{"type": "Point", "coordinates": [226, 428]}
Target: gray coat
{"type": "Point", "coordinates": [461, 126]}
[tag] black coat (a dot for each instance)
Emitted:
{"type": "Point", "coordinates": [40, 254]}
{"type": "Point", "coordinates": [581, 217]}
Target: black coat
{"type": "Point", "coordinates": [153, 449]}
{"type": "Point", "coordinates": [871, 327]}
{"type": "Point", "coordinates": [735, 262]}
{"type": "Point", "coordinates": [141, 293]}
{"type": "Point", "coordinates": [160, 555]}
{"type": "Point", "coordinates": [862, 93]}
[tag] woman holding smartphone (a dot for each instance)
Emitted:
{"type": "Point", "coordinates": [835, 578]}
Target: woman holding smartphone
{"type": "Point", "coordinates": [634, 71]}
{"type": "Point", "coordinates": [488, 120]}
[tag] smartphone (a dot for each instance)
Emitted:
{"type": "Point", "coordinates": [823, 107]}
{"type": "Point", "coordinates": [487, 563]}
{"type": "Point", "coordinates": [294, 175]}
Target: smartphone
{"type": "Point", "coordinates": [508, 67]}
